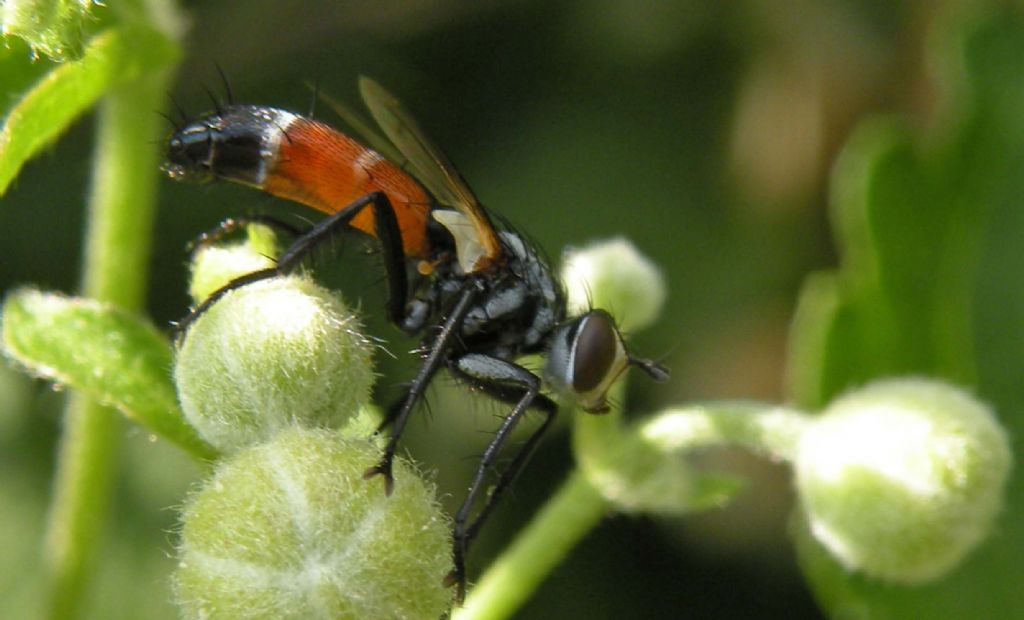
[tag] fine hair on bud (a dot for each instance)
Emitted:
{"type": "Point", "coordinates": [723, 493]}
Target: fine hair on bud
{"type": "Point", "coordinates": [271, 355]}
{"type": "Point", "coordinates": [289, 529]}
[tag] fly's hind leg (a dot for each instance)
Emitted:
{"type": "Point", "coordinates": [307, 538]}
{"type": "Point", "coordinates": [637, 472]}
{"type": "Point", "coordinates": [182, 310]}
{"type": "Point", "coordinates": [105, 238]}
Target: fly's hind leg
{"type": "Point", "coordinates": [387, 231]}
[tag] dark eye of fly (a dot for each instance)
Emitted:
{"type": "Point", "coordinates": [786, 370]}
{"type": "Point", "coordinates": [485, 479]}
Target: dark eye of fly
{"type": "Point", "coordinates": [596, 348]}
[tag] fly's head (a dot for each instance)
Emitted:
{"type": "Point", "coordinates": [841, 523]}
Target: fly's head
{"type": "Point", "coordinates": [587, 355]}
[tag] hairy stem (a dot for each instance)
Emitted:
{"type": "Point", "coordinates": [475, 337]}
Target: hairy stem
{"type": "Point", "coordinates": [121, 211]}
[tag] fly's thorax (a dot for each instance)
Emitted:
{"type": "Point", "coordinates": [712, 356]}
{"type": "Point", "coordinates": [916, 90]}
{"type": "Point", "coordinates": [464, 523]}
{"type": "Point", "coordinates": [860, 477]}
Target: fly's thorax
{"type": "Point", "coordinates": [545, 292]}
{"type": "Point", "coordinates": [519, 304]}
{"type": "Point", "coordinates": [237, 143]}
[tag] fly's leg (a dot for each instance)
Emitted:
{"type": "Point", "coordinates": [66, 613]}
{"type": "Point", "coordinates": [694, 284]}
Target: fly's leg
{"type": "Point", "coordinates": [388, 233]}
{"type": "Point", "coordinates": [437, 354]}
{"type": "Point", "coordinates": [513, 384]}
{"type": "Point", "coordinates": [234, 224]}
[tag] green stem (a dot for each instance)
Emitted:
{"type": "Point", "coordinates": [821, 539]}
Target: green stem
{"type": "Point", "coordinates": [122, 207]}
{"type": "Point", "coordinates": [638, 471]}
{"type": "Point", "coordinates": [85, 466]}
{"type": "Point", "coordinates": [768, 430]}
{"type": "Point", "coordinates": [567, 517]}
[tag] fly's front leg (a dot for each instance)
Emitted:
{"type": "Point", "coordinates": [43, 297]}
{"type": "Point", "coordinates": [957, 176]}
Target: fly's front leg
{"type": "Point", "coordinates": [387, 231]}
{"type": "Point", "coordinates": [510, 383]}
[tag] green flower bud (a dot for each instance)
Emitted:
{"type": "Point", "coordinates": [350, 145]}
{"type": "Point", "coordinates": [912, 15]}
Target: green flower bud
{"type": "Point", "coordinates": [614, 276]}
{"type": "Point", "coordinates": [271, 355]}
{"type": "Point", "coordinates": [902, 478]}
{"type": "Point", "coordinates": [213, 266]}
{"type": "Point", "coordinates": [290, 529]}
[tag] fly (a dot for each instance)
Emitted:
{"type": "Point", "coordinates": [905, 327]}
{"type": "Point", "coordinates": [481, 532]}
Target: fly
{"type": "Point", "coordinates": [479, 296]}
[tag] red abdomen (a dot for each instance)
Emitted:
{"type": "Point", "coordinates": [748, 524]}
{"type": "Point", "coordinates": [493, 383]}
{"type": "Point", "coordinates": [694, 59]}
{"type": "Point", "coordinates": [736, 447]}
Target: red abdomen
{"type": "Point", "coordinates": [327, 170]}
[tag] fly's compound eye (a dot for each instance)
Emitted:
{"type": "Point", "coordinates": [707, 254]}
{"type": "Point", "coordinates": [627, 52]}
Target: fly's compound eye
{"type": "Point", "coordinates": [597, 348]}
{"type": "Point", "coordinates": [586, 357]}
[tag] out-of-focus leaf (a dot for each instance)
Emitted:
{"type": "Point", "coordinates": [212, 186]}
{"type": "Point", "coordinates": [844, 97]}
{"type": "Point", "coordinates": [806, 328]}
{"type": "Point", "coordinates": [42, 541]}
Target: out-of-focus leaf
{"type": "Point", "coordinates": [889, 309]}
{"type": "Point", "coordinates": [112, 356]}
{"type": "Point", "coordinates": [51, 27]}
{"type": "Point", "coordinates": [19, 70]}
{"type": "Point", "coordinates": [824, 339]}
{"type": "Point", "coordinates": [920, 290]}
{"type": "Point", "coordinates": [72, 88]}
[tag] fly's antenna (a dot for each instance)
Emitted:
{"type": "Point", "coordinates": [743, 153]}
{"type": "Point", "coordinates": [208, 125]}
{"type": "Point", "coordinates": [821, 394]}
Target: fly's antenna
{"type": "Point", "coordinates": [225, 83]}
{"type": "Point", "coordinates": [654, 369]}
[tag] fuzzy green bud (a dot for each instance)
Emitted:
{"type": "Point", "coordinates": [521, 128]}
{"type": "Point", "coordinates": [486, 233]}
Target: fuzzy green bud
{"type": "Point", "coordinates": [614, 276]}
{"type": "Point", "coordinates": [270, 355]}
{"type": "Point", "coordinates": [213, 266]}
{"type": "Point", "coordinates": [902, 478]}
{"type": "Point", "coordinates": [290, 529]}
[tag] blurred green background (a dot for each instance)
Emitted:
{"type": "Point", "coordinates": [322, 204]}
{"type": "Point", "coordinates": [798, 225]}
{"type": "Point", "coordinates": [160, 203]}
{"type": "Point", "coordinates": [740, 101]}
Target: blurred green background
{"type": "Point", "coordinates": [703, 131]}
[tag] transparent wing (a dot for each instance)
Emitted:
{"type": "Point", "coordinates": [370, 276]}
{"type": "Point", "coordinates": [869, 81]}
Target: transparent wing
{"type": "Point", "coordinates": [430, 165]}
{"type": "Point", "coordinates": [361, 126]}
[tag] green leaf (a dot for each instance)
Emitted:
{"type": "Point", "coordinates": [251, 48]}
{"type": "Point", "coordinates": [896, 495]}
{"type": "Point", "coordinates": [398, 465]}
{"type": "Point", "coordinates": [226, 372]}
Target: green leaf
{"type": "Point", "coordinates": [19, 70]}
{"type": "Point", "coordinates": [110, 355]}
{"type": "Point", "coordinates": [51, 27]}
{"type": "Point", "coordinates": [910, 223]}
{"type": "Point", "coordinates": [879, 315]}
{"type": "Point", "coordinates": [930, 233]}
{"type": "Point", "coordinates": [46, 110]}
{"type": "Point", "coordinates": [823, 343]}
